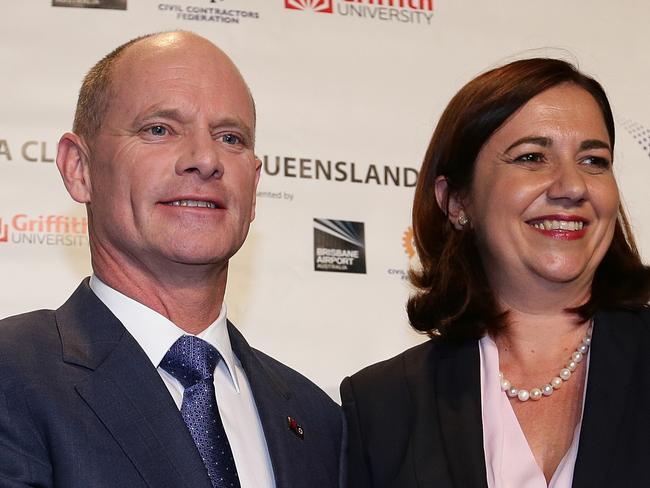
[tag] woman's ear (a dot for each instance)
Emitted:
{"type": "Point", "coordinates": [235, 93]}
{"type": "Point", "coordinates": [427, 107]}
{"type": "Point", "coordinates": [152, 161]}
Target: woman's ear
{"type": "Point", "coordinates": [72, 160]}
{"type": "Point", "coordinates": [451, 204]}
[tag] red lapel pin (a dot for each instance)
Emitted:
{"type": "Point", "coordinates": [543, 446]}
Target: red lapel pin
{"type": "Point", "coordinates": [295, 428]}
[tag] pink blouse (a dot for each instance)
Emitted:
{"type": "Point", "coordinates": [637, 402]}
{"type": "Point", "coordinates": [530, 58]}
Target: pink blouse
{"type": "Point", "coordinates": [508, 459]}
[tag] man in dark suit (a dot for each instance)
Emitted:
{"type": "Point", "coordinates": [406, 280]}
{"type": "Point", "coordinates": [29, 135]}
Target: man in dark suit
{"type": "Point", "coordinates": [117, 387]}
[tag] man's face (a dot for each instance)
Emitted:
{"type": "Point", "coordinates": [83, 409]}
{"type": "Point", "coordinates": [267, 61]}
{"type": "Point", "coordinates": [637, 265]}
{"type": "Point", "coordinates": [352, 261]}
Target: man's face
{"type": "Point", "coordinates": [172, 171]}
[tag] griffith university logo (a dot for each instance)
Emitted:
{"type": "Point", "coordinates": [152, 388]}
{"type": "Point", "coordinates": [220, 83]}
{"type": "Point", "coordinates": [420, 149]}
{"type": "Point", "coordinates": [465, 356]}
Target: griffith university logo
{"type": "Point", "coordinates": [402, 11]}
{"type": "Point", "coordinates": [339, 245]}
{"type": "Point", "coordinates": [4, 232]}
{"type": "Point", "coordinates": [320, 6]}
{"type": "Point", "coordinates": [44, 230]}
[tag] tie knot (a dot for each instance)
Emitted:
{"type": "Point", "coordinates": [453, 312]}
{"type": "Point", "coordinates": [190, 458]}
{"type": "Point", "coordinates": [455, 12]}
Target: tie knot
{"type": "Point", "coordinates": [190, 360]}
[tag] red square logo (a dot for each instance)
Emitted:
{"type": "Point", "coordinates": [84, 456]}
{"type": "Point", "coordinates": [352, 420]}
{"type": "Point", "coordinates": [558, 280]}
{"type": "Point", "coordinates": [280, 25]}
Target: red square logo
{"type": "Point", "coordinates": [320, 6]}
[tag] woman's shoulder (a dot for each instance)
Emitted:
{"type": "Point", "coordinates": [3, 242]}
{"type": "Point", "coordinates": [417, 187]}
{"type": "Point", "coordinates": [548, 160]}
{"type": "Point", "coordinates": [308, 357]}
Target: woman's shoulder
{"type": "Point", "coordinates": [397, 366]}
{"type": "Point", "coordinates": [644, 315]}
{"type": "Point", "coordinates": [638, 318]}
{"type": "Point", "coordinates": [398, 376]}
{"type": "Point", "coordinates": [383, 390]}
{"type": "Point", "coordinates": [625, 329]}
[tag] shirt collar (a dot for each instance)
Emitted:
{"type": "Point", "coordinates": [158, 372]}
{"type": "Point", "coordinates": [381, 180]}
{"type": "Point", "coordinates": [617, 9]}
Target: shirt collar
{"type": "Point", "coordinates": [155, 334]}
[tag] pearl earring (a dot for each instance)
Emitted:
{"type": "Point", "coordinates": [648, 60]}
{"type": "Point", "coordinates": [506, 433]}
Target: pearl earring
{"type": "Point", "coordinates": [463, 219]}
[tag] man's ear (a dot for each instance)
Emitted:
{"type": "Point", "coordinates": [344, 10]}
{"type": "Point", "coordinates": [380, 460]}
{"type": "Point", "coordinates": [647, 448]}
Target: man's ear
{"type": "Point", "coordinates": [72, 160]}
{"type": "Point", "coordinates": [258, 172]}
{"type": "Point", "coordinates": [451, 203]}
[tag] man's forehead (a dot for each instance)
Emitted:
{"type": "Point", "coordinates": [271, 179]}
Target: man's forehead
{"type": "Point", "coordinates": [167, 41]}
{"type": "Point", "coordinates": [152, 54]}
{"type": "Point", "coordinates": [181, 68]}
{"type": "Point", "coordinates": [190, 61]}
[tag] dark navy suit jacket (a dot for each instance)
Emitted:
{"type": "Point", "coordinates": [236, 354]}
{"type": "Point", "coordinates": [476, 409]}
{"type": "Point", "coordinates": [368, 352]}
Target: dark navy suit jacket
{"type": "Point", "coordinates": [415, 420]}
{"type": "Point", "coordinates": [81, 406]}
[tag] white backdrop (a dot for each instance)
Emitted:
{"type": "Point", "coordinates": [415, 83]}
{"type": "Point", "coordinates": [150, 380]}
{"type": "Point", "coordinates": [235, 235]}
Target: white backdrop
{"type": "Point", "coordinates": [362, 85]}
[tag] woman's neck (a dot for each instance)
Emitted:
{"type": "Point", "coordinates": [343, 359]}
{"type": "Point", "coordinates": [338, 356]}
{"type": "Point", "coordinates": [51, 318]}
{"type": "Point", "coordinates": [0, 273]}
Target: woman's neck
{"type": "Point", "coordinates": [536, 341]}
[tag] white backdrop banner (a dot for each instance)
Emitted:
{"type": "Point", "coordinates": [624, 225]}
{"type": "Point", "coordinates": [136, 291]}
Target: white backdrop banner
{"type": "Point", "coordinates": [348, 93]}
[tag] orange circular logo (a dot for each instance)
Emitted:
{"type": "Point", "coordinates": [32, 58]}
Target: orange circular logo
{"type": "Point", "coordinates": [408, 243]}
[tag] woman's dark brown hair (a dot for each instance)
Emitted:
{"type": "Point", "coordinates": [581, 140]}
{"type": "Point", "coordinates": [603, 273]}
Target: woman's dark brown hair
{"type": "Point", "coordinates": [453, 297]}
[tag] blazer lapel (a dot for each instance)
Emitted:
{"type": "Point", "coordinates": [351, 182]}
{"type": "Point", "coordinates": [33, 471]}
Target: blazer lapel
{"type": "Point", "coordinates": [610, 385]}
{"type": "Point", "coordinates": [126, 393]}
{"type": "Point", "coordinates": [458, 397]}
{"type": "Point", "coordinates": [273, 400]}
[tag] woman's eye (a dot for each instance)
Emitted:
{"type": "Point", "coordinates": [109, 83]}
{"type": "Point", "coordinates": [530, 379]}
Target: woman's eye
{"type": "Point", "coordinates": [231, 139]}
{"type": "Point", "coordinates": [597, 161]}
{"type": "Point", "coordinates": [530, 158]}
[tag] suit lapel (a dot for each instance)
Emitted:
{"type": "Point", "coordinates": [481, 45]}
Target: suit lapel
{"type": "Point", "coordinates": [273, 400]}
{"type": "Point", "coordinates": [458, 397]}
{"type": "Point", "coordinates": [614, 353]}
{"type": "Point", "coordinates": [128, 396]}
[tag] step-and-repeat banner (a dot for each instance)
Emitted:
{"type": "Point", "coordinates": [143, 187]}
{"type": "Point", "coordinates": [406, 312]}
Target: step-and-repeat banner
{"type": "Point", "coordinates": [348, 93]}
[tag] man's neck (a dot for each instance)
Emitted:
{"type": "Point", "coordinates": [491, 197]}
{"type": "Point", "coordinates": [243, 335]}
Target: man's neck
{"type": "Point", "coordinates": [192, 301]}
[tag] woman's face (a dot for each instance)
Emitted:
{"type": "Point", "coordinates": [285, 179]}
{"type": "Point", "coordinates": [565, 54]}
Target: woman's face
{"type": "Point", "coordinates": [544, 202]}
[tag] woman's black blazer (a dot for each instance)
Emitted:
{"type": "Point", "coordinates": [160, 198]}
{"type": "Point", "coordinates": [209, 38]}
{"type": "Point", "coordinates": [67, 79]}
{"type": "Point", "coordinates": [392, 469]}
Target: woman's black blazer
{"type": "Point", "coordinates": [415, 420]}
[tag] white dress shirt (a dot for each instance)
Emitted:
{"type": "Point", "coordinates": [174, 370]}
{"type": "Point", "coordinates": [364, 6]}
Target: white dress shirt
{"type": "Point", "coordinates": [509, 461]}
{"type": "Point", "coordinates": [155, 334]}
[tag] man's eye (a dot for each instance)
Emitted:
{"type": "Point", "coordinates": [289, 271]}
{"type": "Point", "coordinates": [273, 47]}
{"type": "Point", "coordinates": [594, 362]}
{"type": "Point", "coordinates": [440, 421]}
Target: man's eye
{"type": "Point", "coordinates": [157, 130]}
{"type": "Point", "coordinates": [231, 139]}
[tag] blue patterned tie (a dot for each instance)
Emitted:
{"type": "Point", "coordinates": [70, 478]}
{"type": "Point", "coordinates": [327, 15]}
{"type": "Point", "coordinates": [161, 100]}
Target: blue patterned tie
{"type": "Point", "coordinates": [192, 361]}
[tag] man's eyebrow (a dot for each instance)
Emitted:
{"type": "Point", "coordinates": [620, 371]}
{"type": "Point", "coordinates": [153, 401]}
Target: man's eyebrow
{"type": "Point", "coordinates": [594, 144]}
{"type": "Point", "coordinates": [234, 122]}
{"type": "Point", "coordinates": [540, 141]}
{"type": "Point", "coordinates": [162, 113]}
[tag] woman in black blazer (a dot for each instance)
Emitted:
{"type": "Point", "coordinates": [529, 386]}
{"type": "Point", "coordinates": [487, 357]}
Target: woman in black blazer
{"type": "Point", "coordinates": [534, 296]}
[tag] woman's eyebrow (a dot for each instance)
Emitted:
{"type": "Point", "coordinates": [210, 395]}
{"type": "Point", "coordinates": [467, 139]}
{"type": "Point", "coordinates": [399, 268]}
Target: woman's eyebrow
{"type": "Point", "coordinates": [540, 141]}
{"type": "Point", "coordinates": [594, 144]}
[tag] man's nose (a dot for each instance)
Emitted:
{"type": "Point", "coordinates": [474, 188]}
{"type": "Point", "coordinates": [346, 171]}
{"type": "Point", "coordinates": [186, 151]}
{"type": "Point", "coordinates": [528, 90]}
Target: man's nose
{"type": "Point", "coordinates": [201, 157]}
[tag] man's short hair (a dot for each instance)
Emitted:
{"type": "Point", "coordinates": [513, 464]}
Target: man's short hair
{"type": "Point", "coordinates": [94, 94]}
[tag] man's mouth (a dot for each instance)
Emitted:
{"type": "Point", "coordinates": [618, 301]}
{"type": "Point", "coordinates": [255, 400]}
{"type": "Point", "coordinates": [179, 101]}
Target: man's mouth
{"type": "Point", "coordinates": [191, 203]}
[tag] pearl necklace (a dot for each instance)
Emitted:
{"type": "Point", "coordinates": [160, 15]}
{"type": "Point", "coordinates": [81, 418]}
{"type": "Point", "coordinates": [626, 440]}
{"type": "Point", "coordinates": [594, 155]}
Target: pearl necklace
{"type": "Point", "coordinates": [555, 384]}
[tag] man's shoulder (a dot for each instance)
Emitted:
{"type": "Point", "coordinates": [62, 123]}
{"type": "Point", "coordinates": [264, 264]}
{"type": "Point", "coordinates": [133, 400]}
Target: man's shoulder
{"type": "Point", "coordinates": [27, 326]}
{"type": "Point", "coordinates": [295, 381]}
{"type": "Point", "coordinates": [286, 380]}
{"type": "Point", "coordinates": [26, 340]}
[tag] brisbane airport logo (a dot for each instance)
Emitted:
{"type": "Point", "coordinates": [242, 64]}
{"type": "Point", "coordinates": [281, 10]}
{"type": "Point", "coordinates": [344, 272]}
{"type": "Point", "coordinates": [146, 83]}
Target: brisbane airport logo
{"type": "Point", "coordinates": [403, 11]}
{"type": "Point", "coordinates": [339, 245]}
{"type": "Point", "coordinates": [110, 4]}
{"type": "Point", "coordinates": [213, 11]}
{"type": "Point", "coordinates": [44, 230]}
